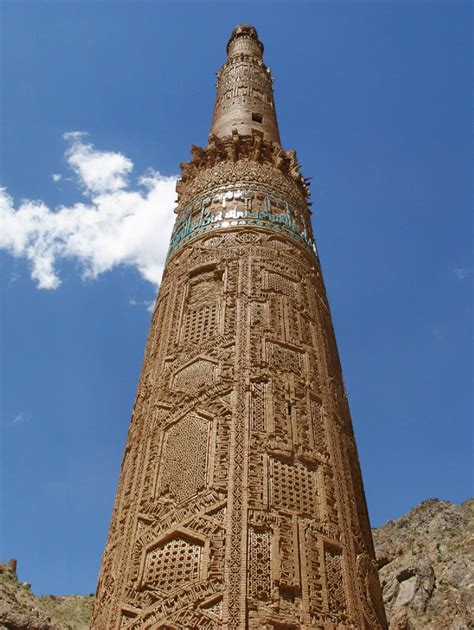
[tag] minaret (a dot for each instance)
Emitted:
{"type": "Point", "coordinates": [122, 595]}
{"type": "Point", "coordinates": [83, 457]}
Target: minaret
{"type": "Point", "coordinates": [240, 503]}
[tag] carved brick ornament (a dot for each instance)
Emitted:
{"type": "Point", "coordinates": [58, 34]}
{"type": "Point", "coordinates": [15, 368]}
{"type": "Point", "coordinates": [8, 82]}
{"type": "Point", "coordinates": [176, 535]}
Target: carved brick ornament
{"type": "Point", "coordinates": [240, 503]}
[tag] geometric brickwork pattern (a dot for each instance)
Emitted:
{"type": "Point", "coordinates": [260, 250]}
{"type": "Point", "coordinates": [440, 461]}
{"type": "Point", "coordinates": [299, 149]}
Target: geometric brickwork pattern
{"type": "Point", "coordinates": [240, 503]}
{"type": "Point", "coordinates": [199, 373]}
{"type": "Point", "coordinates": [184, 457]}
{"type": "Point", "coordinates": [176, 562]}
{"type": "Point", "coordinates": [259, 552]}
{"type": "Point", "coordinates": [293, 487]}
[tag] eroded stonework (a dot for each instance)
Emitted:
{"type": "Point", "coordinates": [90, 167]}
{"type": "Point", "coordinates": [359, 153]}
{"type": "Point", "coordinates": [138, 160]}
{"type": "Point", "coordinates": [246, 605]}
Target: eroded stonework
{"type": "Point", "coordinates": [240, 502]}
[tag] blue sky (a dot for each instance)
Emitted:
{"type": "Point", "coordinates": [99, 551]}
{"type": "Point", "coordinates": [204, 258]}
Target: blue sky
{"type": "Point", "coordinates": [375, 97]}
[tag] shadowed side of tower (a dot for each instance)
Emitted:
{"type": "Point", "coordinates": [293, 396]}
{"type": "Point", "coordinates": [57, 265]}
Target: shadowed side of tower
{"type": "Point", "coordinates": [240, 502]}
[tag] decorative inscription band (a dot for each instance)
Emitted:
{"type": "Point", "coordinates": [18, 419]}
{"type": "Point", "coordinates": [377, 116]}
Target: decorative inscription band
{"type": "Point", "coordinates": [230, 208]}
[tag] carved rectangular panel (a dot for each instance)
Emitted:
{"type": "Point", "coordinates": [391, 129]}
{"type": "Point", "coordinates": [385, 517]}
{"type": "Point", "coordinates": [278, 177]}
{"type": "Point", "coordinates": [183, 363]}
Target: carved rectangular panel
{"type": "Point", "coordinates": [283, 358]}
{"type": "Point", "coordinates": [259, 556]}
{"type": "Point", "coordinates": [258, 392]}
{"type": "Point", "coordinates": [183, 467]}
{"type": "Point", "coordinates": [199, 323]}
{"type": "Point", "coordinates": [334, 579]}
{"type": "Point", "coordinates": [293, 487]}
{"type": "Point", "coordinates": [281, 284]}
{"type": "Point", "coordinates": [288, 552]}
{"type": "Point", "coordinates": [314, 572]}
{"type": "Point", "coordinates": [319, 429]}
{"type": "Point", "coordinates": [195, 375]}
{"type": "Point", "coordinates": [173, 563]}
{"type": "Point", "coordinates": [201, 317]}
{"type": "Point", "coordinates": [330, 504]}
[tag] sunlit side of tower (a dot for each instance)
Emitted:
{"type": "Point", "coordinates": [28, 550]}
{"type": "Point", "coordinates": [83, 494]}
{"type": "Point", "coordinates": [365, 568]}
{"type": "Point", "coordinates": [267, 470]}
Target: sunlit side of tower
{"type": "Point", "coordinates": [240, 503]}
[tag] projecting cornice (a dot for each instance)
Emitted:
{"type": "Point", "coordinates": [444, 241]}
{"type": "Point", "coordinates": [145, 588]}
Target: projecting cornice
{"type": "Point", "coordinates": [241, 147]}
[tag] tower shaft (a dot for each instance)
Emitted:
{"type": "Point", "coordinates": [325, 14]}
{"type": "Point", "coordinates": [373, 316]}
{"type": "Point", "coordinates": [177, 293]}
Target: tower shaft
{"type": "Point", "coordinates": [240, 502]}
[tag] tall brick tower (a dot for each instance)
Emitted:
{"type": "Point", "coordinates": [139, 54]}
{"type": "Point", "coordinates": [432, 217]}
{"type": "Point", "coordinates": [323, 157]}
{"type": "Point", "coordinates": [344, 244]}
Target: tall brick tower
{"type": "Point", "coordinates": [240, 503]}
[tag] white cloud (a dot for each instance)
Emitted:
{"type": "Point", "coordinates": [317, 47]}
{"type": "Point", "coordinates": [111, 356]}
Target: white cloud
{"type": "Point", "coordinates": [21, 418]}
{"type": "Point", "coordinates": [56, 177]}
{"type": "Point", "coordinates": [120, 223]}
{"type": "Point", "coordinates": [98, 171]}
{"type": "Point", "coordinates": [461, 273]}
{"type": "Point", "coordinates": [150, 304]}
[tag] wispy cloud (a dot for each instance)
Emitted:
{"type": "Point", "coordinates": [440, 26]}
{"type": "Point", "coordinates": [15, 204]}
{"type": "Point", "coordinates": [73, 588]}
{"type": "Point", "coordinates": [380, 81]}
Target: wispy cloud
{"type": "Point", "coordinates": [21, 418]}
{"type": "Point", "coordinates": [56, 177]}
{"type": "Point", "coordinates": [121, 223]}
{"type": "Point", "coordinates": [462, 273]}
{"type": "Point", "coordinates": [150, 304]}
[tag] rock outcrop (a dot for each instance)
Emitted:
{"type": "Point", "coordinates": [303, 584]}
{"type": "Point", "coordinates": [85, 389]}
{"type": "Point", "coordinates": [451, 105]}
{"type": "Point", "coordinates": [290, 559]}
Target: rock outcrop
{"type": "Point", "coordinates": [426, 568]}
{"type": "Point", "coordinates": [21, 610]}
{"type": "Point", "coordinates": [425, 564]}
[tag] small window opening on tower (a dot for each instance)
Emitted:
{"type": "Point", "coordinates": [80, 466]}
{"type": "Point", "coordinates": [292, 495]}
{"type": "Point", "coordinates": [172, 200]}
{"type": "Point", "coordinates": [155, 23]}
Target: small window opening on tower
{"type": "Point", "coordinates": [257, 117]}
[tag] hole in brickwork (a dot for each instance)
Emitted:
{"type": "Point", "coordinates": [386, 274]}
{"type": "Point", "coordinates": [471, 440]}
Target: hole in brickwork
{"type": "Point", "coordinates": [219, 515]}
{"type": "Point", "coordinates": [287, 595]}
{"type": "Point", "coordinates": [184, 461]}
{"type": "Point", "coordinates": [259, 564]}
{"type": "Point", "coordinates": [293, 487]}
{"type": "Point", "coordinates": [126, 620]}
{"type": "Point", "coordinates": [175, 563]}
{"type": "Point", "coordinates": [215, 608]}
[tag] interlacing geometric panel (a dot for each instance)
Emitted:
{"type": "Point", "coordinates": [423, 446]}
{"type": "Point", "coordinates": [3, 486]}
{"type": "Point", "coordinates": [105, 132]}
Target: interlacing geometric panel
{"type": "Point", "coordinates": [289, 568]}
{"type": "Point", "coordinates": [183, 470]}
{"type": "Point", "coordinates": [319, 432]}
{"type": "Point", "coordinates": [284, 358]}
{"type": "Point", "coordinates": [259, 564]}
{"type": "Point", "coordinates": [330, 495]}
{"type": "Point", "coordinates": [314, 572]}
{"type": "Point", "coordinates": [240, 503]}
{"type": "Point", "coordinates": [202, 310]}
{"type": "Point", "coordinates": [258, 393]}
{"type": "Point", "coordinates": [200, 322]}
{"type": "Point", "coordinates": [334, 579]}
{"type": "Point", "coordinates": [281, 284]}
{"type": "Point", "coordinates": [175, 562]}
{"type": "Point", "coordinates": [293, 487]}
{"type": "Point", "coordinates": [194, 376]}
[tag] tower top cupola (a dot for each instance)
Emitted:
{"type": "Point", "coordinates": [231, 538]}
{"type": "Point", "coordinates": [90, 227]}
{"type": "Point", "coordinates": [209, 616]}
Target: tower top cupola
{"type": "Point", "coordinates": [244, 40]}
{"type": "Point", "coordinates": [244, 101]}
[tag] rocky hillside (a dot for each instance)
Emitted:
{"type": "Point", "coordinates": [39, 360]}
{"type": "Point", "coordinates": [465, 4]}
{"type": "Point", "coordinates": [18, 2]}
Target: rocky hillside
{"type": "Point", "coordinates": [425, 569]}
{"type": "Point", "coordinates": [21, 610]}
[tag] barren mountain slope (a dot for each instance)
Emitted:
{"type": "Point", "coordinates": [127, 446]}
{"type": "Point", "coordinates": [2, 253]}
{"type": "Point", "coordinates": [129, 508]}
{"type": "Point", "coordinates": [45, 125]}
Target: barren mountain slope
{"type": "Point", "coordinates": [21, 610]}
